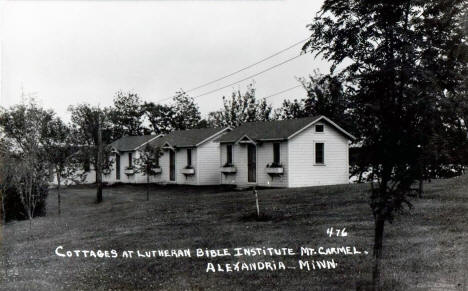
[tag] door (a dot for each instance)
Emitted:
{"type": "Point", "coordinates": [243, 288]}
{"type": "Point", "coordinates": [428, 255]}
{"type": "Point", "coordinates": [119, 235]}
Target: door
{"type": "Point", "coordinates": [251, 163]}
{"type": "Point", "coordinates": [171, 165]}
{"type": "Point", "coordinates": [117, 166]}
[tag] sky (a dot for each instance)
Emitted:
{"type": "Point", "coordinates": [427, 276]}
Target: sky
{"type": "Point", "coordinates": [69, 52]}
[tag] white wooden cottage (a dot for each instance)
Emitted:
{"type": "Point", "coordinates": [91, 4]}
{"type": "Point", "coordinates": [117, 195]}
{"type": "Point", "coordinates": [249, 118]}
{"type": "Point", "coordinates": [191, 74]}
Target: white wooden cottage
{"type": "Point", "coordinates": [125, 152]}
{"type": "Point", "coordinates": [190, 156]}
{"type": "Point", "coordinates": [286, 153]}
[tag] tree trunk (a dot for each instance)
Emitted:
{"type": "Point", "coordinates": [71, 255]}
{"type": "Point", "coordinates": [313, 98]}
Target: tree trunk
{"type": "Point", "coordinates": [147, 187]}
{"type": "Point", "coordinates": [99, 164]}
{"type": "Point", "coordinates": [378, 239]}
{"type": "Point", "coordinates": [58, 194]}
{"type": "Point", "coordinates": [3, 208]}
{"type": "Point", "coordinates": [420, 189]}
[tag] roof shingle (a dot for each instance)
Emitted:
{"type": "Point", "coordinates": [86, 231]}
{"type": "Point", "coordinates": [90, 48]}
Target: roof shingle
{"type": "Point", "coordinates": [268, 130]}
{"type": "Point", "coordinates": [130, 143]}
{"type": "Point", "coordinates": [187, 138]}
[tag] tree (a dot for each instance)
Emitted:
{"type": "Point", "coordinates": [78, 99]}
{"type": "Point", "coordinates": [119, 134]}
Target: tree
{"type": "Point", "coordinates": [126, 116]}
{"type": "Point", "coordinates": [401, 59]}
{"type": "Point", "coordinates": [92, 131]}
{"type": "Point", "coordinates": [21, 125]}
{"type": "Point", "coordinates": [60, 152]}
{"type": "Point", "coordinates": [291, 109]}
{"type": "Point", "coordinates": [325, 96]}
{"type": "Point", "coordinates": [148, 163]}
{"type": "Point", "coordinates": [162, 118]}
{"type": "Point", "coordinates": [241, 108]}
{"type": "Point", "coordinates": [187, 114]}
{"type": "Point", "coordinates": [6, 173]}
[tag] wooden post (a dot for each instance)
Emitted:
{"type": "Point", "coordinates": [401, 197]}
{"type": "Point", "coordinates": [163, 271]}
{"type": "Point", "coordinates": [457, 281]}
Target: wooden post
{"type": "Point", "coordinates": [147, 186]}
{"type": "Point", "coordinates": [256, 200]}
{"type": "Point", "coordinates": [99, 162]}
{"type": "Point", "coordinates": [58, 193]}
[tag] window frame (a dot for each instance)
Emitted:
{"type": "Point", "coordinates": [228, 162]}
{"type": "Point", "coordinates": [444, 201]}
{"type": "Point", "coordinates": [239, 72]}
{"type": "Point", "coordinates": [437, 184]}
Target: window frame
{"type": "Point", "coordinates": [276, 153]}
{"type": "Point", "coordinates": [189, 157]}
{"type": "Point", "coordinates": [130, 159]}
{"type": "Point", "coordinates": [315, 153]}
{"type": "Point", "coordinates": [157, 159]}
{"type": "Point", "coordinates": [323, 128]}
{"type": "Point", "coordinates": [229, 154]}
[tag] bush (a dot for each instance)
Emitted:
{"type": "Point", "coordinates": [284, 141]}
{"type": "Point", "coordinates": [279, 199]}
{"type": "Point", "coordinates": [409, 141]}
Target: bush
{"type": "Point", "coordinates": [14, 209]}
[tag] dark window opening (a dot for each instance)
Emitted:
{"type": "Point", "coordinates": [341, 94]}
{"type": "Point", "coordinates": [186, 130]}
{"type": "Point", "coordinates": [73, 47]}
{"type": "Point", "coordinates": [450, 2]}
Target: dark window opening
{"type": "Point", "coordinates": [319, 153]}
{"type": "Point", "coordinates": [189, 157]}
{"type": "Point", "coordinates": [229, 154]}
{"type": "Point", "coordinates": [130, 160]}
{"type": "Point", "coordinates": [157, 159]}
{"type": "Point", "coordinates": [319, 128]}
{"type": "Point", "coordinates": [117, 166]}
{"type": "Point", "coordinates": [276, 153]}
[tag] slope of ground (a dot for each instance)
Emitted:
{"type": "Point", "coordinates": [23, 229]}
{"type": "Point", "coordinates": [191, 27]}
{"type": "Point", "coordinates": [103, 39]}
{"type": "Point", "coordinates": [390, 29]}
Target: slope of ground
{"type": "Point", "coordinates": [424, 249]}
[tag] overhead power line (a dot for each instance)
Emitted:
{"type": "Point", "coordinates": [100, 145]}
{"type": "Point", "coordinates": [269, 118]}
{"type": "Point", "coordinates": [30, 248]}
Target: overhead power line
{"type": "Point", "coordinates": [244, 79]}
{"type": "Point", "coordinates": [281, 92]}
{"type": "Point", "coordinates": [251, 76]}
{"type": "Point", "coordinates": [247, 67]}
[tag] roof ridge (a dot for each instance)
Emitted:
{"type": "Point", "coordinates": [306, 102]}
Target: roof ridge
{"type": "Point", "coordinates": [280, 120]}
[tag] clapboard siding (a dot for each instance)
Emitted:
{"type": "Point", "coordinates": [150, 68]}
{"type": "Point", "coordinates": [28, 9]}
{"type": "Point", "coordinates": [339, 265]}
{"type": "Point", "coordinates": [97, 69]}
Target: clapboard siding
{"type": "Point", "coordinates": [302, 168]}
{"type": "Point", "coordinates": [164, 164]}
{"type": "Point", "coordinates": [264, 157]}
{"type": "Point", "coordinates": [239, 160]}
{"type": "Point", "coordinates": [240, 177]}
{"type": "Point", "coordinates": [181, 162]}
{"type": "Point", "coordinates": [208, 161]}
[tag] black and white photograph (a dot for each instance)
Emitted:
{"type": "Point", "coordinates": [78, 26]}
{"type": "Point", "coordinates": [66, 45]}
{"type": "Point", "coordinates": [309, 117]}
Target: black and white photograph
{"type": "Point", "coordinates": [233, 145]}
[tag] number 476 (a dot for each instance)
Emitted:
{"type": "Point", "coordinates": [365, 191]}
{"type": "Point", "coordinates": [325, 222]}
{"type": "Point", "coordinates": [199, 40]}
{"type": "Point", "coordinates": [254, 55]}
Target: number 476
{"type": "Point", "coordinates": [337, 232]}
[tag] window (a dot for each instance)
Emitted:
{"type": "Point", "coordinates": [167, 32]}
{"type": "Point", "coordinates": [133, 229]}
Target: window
{"type": "Point", "coordinates": [229, 154]}
{"type": "Point", "coordinates": [276, 153]}
{"type": "Point", "coordinates": [189, 157]}
{"type": "Point", "coordinates": [319, 153]}
{"type": "Point", "coordinates": [130, 160]}
{"type": "Point", "coordinates": [157, 159]}
{"type": "Point", "coordinates": [319, 128]}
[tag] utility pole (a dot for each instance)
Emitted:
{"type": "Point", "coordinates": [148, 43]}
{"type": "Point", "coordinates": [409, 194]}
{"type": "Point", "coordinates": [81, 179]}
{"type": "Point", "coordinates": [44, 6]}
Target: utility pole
{"type": "Point", "coordinates": [99, 160]}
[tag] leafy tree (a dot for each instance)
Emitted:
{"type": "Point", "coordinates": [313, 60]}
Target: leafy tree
{"type": "Point", "coordinates": [241, 108]}
{"type": "Point", "coordinates": [162, 118]}
{"type": "Point", "coordinates": [60, 152]}
{"type": "Point", "coordinates": [187, 113]}
{"type": "Point", "coordinates": [91, 132]}
{"type": "Point", "coordinates": [148, 163]}
{"type": "Point", "coordinates": [291, 109]}
{"type": "Point", "coordinates": [6, 172]}
{"type": "Point", "coordinates": [21, 126]}
{"type": "Point", "coordinates": [325, 96]}
{"type": "Point", "coordinates": [402, 60]}
{"type": "Point", "coordinates": [126, 116]}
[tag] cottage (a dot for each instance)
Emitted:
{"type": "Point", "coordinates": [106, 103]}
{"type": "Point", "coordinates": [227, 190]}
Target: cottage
{"type": "Point", "coordinates": [190, 156]}
{"type": "Point", "coordinates": [125, 151]}
{"type": "Point", "coordinates": [286, 153]}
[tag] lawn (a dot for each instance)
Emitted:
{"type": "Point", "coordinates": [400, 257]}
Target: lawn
{"type": "Point", "coordinates": [424, 249]}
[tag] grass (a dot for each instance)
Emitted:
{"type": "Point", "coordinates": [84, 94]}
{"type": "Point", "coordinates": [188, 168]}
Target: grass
{"type": "Point", "coordinates": [424, 249]}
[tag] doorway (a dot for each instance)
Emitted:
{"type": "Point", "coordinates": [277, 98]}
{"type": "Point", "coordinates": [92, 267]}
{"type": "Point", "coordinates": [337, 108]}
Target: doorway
{"type": "Point", "coordinates": [171, 165]}
{"type": "Point", "coordinates": [117, 166]}
{"type": "Point", "coordinates": [251, 163]}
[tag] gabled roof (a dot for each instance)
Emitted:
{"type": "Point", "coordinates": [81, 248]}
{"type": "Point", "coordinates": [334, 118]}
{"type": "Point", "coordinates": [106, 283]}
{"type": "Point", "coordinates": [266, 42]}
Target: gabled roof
{"type": "Point", "coordinates": [188, 138]}
{"type": "Point", "coordinates": [275, 129]}
{"type": "Point", "coordinates": [131, 143]}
